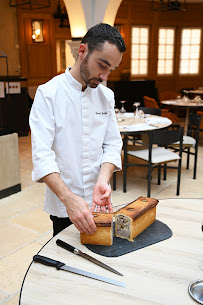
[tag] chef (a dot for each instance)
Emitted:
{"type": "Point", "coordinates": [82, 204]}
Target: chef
{"type": "Point", "coordinates": [76, 143]}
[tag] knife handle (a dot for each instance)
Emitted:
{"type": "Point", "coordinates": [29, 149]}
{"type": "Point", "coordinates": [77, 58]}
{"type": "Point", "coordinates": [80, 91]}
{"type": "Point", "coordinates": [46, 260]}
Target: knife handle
{"type": "Point", "coordinates": [65, 245]}
{"type": "Point", "coordinates": [47, 261]}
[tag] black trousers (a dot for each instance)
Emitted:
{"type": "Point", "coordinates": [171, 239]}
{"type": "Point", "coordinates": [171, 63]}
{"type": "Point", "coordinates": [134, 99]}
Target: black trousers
{"type": "Point", "coordinates": [59, 224]}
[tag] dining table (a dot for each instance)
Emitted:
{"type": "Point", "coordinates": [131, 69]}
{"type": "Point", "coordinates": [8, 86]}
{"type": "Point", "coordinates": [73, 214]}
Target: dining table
{"type": "Point", "coordinates": [187, 104]}
{"type": "Point", "coordinates": [157, 272]}
{"type": "Point", "coordinates": [196, 92]}
{"type": "Point", "coordinates": [130, 124]}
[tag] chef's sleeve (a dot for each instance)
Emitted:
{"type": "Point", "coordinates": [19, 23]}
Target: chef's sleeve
{"type": "Point", "coordinates": [42, 127]}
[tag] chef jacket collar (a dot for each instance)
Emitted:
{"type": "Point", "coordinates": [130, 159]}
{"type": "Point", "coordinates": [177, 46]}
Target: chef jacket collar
{"type": "Point", "coordinates": [74, 82]}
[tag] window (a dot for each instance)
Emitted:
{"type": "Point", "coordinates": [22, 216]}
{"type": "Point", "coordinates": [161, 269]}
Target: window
{"type": "Point", "coordinates": [139, 50]}
{"type": "Point", "coordinates": [190, 51]}
{"type": "Point", "coordinates": [166, 51]}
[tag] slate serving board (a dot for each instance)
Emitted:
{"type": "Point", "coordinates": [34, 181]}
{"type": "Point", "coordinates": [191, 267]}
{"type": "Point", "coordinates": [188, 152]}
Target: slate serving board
{"type": "Point", "coordinates": [158, 231]}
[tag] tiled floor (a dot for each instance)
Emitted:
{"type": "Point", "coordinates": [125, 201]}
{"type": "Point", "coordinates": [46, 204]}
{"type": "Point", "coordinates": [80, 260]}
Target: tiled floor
{"type": "Point", "coordinates": [25, 228]}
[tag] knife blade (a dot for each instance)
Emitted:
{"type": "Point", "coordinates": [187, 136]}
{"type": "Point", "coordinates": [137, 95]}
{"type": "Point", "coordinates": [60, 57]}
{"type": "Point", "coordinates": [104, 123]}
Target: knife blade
{"type": "Point", "coordinates": [61, 266]}
{"type": "Point", "coordinates": [76, 251]}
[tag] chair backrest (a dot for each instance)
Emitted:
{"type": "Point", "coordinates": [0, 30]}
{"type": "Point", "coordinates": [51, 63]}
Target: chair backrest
{"type": "Point", "coordinates": [150, 102]}
{"type": "Point", "coordinates": [194, 121]}
{"type": "Point", "coordinates": [194, 125]}
{"type": "Point", "coordinates": [201, 122]}
{"type": "Point", "coordinates": [170, 115]}
{"type": "Point", "coordinates": [165, 137]}
{"type": "Point", "coordinates": [149, 110]}
{"type": "Point", "coordinates": [169, 95]}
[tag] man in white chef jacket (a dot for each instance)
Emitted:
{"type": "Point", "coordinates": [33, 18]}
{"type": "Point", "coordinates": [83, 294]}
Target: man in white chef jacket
{"type": "Point", "coordinates": [76, 143]}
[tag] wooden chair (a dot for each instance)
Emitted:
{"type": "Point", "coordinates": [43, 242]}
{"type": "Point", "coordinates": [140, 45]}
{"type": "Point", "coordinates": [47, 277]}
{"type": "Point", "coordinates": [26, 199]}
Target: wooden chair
{"type": "Point", "coordinates": [151, 102]}
{"type": "Point", "coordinates": [190, 141]}
{"type": "Point", "coordinates": [169, 95]}
{"type": "Point", "coordinates": [155, 156]}
{"type": "Point", "coordinates": [201, 122]}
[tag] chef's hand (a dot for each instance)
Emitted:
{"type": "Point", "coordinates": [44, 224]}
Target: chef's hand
{"type": "Point", "coordinates": [80, 215]}
{"type": "Point", "coordinates": [77, 208]}
{"type": "Point", "coordinates": [102, 198]}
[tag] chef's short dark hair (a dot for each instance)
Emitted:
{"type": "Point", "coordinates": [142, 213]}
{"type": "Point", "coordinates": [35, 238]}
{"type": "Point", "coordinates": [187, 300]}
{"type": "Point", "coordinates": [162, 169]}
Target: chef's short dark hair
{"type": "Point", "coordinates": [99, 34]}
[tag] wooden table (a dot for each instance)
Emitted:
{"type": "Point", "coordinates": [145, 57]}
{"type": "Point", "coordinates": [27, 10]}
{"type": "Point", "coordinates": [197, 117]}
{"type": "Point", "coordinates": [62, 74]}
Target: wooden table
{"type": "Point", "coordinates": [187, 105]}
{"type": "Point", "coordinates": [155, 275]}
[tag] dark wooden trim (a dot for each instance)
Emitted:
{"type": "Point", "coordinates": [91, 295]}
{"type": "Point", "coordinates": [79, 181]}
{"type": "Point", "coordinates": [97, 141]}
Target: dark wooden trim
{"type": "Point", "coordinates": [10, 190]}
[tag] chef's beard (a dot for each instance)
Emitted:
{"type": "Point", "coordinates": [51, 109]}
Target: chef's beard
{"type": "Point", "coordinates": [86, 76]}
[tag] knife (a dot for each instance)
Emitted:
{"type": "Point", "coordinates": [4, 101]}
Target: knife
{"type": "Point", "coordinates": [61, 266]}
{"type": "Point", "coordinates": [90, 258]}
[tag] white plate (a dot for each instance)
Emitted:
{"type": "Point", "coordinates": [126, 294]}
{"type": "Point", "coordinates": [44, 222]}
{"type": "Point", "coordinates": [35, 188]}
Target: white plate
{"type": "Point", "coordinates": [196, 291]}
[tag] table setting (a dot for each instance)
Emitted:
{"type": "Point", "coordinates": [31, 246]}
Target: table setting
{"type": "Point", "coordinates": [144, 122]}
{"type": "Point", "coordinates": [138, 121]}
{"type": "Point", "coordinates": [185, 101]}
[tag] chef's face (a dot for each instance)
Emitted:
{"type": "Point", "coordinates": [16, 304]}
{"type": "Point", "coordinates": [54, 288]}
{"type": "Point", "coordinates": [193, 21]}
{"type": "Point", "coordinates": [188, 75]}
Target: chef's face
{"type": "Point", "coordinates": [96, 66]}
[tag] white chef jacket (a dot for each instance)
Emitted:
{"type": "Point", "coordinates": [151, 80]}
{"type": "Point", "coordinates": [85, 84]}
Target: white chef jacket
{"type": "Point", "coordinates": [73, 133]}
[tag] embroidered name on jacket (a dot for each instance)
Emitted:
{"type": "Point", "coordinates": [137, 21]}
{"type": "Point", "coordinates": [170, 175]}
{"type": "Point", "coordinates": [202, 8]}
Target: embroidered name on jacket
{"type": "Point", "coordinates": [101, 112]}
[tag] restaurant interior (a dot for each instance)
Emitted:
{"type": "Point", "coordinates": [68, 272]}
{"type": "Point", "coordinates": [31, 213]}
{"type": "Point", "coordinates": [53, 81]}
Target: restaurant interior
{"type": "Point", "coordinates": [150, 68]}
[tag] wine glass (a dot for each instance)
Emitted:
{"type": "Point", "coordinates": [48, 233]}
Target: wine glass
{"type": "Point", "coordinates": [136, 104]}
{"type": "Point", "coordinates": [186, 97]}
{"type": "Point", "coordinates": [197, 99]}
{"type": "Point", "coordinates": [116, 111]}
{"type": "Point", "coordinates": [186, 92]}
{"type": "Point", "coordinates": [122, 108]}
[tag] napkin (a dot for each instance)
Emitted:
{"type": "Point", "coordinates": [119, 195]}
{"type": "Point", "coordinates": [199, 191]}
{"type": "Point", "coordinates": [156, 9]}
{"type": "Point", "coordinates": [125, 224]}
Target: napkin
{"type": "Point", "coordinates": [158, 120]}
{"type": "Point", "coordinates": [136, 127]}
{"type": "Point", "coordinates": [126, 115]}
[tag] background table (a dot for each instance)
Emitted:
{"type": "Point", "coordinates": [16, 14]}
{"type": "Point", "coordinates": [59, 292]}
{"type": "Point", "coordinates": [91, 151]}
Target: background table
{"type": "Point", "coordinates": [155, 275]}
{"type": "Point", "coordinates": [186, 105]}
{"type": "Point", "coordinates": [196, 92]}
{"type": "Point", "coordinates": [138, 125]}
